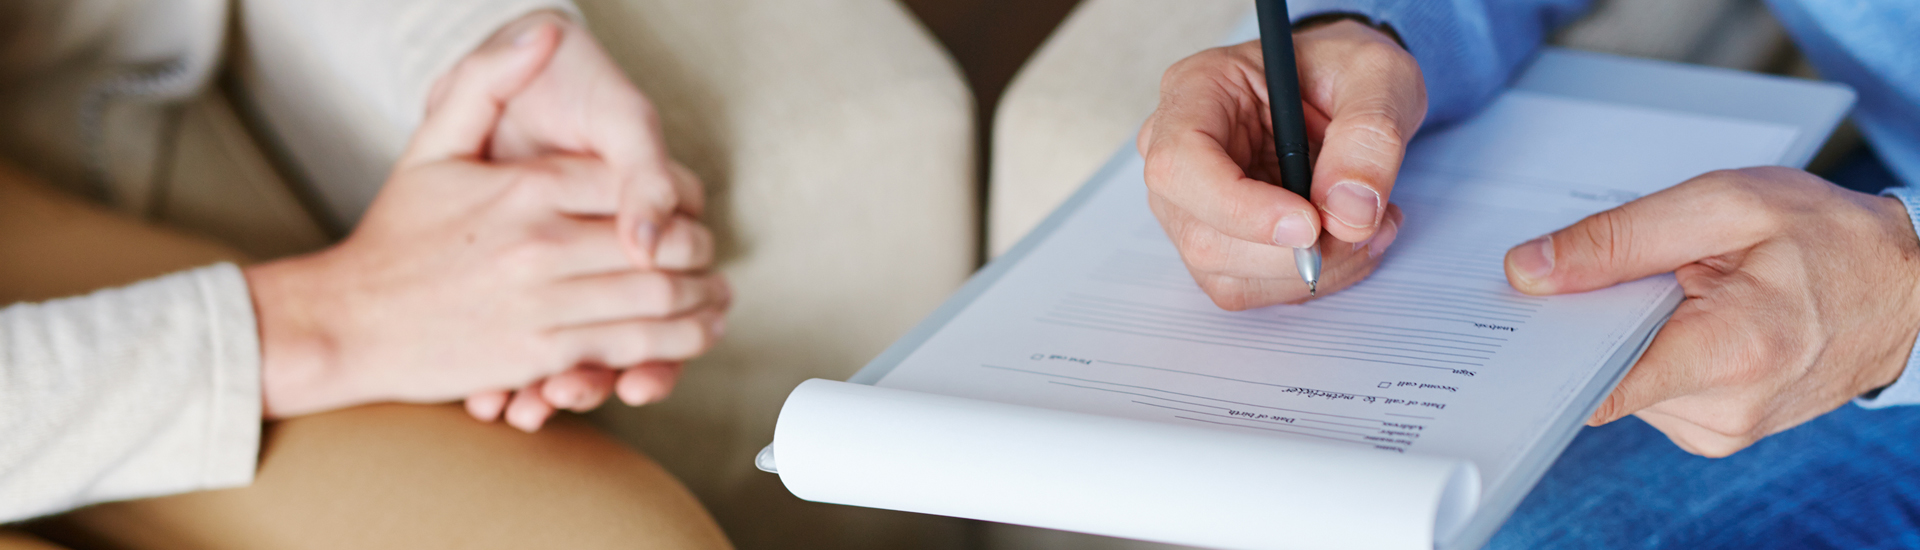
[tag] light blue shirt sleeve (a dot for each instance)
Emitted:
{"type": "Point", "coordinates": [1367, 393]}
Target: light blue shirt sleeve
{"type": "Point", "coordinates": [1467, 49]}
{"type": "Point", "coordinates": [1905, 390]}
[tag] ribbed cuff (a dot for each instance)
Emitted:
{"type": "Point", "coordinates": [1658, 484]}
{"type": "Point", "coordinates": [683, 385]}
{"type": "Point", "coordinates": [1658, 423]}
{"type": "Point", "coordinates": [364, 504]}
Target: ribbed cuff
{"type": "Point", "coordinates": [233, 427]}
{"type": "Point", "coordinates": [1906, 390]}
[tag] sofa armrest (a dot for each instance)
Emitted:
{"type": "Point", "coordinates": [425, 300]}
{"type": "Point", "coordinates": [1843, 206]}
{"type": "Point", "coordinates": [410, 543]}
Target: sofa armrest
{"type": "Point", "coordinates": [1084, 94]}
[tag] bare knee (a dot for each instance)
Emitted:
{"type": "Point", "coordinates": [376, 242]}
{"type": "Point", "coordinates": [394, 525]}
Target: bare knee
{"type": "Point", "coordinates": [408, 476]}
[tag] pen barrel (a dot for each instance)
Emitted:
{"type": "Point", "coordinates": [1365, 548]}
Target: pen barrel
{"type": "Point", "coordinates": [1283, 93]}
{"type": "Point", "coordinates": [1296, 174]}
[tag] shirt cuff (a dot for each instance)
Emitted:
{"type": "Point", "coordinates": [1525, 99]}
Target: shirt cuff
{"type": "Point", "coordinates": [1906, 390]}
{"type": "Point", "coordinates": [1463, 70]}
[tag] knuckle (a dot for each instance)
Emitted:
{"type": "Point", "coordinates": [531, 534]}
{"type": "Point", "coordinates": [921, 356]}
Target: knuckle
{"type": "Point", "coordinates": [719, 290]}
{"type": "Point", "coordinates": [1741, 422]}
{"type": "Point", "coordinates": [1611, 408]}
{"type": "Point", "coordinates": [1754, 194]}
{"type": "Point", "coordinates": [1707, 449]}
{"type": "Point", "coordinates": [1777, 177]}
{"type": "Point", "coordinates": [1229, 293]}
{"type": "Point", "coordinates": [1759, 358]}
{"type": "Point", "coordinates": [1201, 62]}
{"type": "Point", "coordinates": [703, 241]}
{"type": "Point", "coordinates": [534, 305]}
{"type": "Point", "coordinates": [1604, 238]}
{"type": "Point", "coordinates": [1380, 57]}
{"type": "Point", "coordinates": [1740, 368]}
{"type": "Point", "coordinates": [530, 256]}
{"type": "Point", "coordinates": [685, 175]}
{"type": "Point", "coordinates": [1768, 221]}
{"type": "Point", "coordinates": [1740, 185]}
{"type": "Point", "coordinates": [1731, 421]}
{"type": "Point", "coordinates": [552, 352]}
{"type": "Point", "coordinates": [533, 184]}
{"type": "Point", "coordinates": [704, 337]}
{"type": "Point", "coordinates": [636, 347]}
{"type": "Point", "coordinates": [625, 100]}
{"type": "Point", "coordinates": [1162, 170]}
{"type": "Point", "coordinates": [1202, 253]}
{"type": "Point", "coordinates": [1377, 129]}
{"type": "Point", "coordinates": [675, 340]}
{"type": "Point", "coordinates": [1744, 371]}
{"type": "Point", "coordinates": [670, 288]}
{"type": "Point", "coordinates": [642, 108]}
{"type": "Point", "coordinates": [1725, 185]}
{"type": "Point", "coordinates": [656, 290]}
{"type": "Point", "coordinates": [1718, 447]}
{"type": "Point", "coordinates": [1381, 51]}
{"type": "Point", "coordinates": [645, 347]}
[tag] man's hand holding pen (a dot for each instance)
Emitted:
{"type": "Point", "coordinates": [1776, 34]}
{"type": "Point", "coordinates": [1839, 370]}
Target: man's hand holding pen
{"type": "Point", "coordinates": [1212, 172]}
{"type": "Point", "coordinates": [1799, 294]}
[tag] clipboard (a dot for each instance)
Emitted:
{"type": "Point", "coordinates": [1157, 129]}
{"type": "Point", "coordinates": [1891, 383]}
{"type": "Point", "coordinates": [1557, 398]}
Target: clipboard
{"type": "Point", "coordinates": [1815, 109]}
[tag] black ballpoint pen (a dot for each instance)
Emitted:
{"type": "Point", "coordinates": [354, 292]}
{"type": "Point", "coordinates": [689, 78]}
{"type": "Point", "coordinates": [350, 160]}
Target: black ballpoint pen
{"type": "Point", "coordinates": [1289, 121]}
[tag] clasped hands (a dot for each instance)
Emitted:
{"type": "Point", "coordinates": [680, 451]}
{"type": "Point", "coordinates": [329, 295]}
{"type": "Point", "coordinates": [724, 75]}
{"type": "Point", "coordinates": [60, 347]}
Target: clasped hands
{"type": "Point", "coordinates": [534, 249]}
{"type": "Point", "coordinates": [1800, 295]}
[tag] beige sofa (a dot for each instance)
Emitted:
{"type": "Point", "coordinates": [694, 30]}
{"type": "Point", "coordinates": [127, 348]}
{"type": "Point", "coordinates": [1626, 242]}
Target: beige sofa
{"type": "Point", "coordinates": [836, 140]}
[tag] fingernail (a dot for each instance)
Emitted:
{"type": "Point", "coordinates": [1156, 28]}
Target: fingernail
{"type": "Point", "coordinates": [1295, 231]}
{"type": "Point", "coordinates": [644, 234]}
{"type": "Point", "coordinates": [526, 420]}
{"type": "Point", "coordinates": [571, 397]}
{"type": "Point", "coordinates": [652, 396]}
{"type": "Point", "coordinates": [1354, 205]}
{"type": "Point", "coordinates": [635, 396]}
{"type": "Point", "coordinates": [1533, 260]}
{"type": "Point", "coordinates": [1382, 239]}
{"type": "Point", "coordinates": [526, 37]}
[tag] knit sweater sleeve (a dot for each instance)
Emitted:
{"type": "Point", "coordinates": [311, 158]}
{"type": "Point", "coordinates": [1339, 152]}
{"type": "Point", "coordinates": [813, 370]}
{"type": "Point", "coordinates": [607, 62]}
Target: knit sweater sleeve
{"type": "Point", "coordinates": [389, 52]}
{"type": "Point", "coordinates": [146, 390]}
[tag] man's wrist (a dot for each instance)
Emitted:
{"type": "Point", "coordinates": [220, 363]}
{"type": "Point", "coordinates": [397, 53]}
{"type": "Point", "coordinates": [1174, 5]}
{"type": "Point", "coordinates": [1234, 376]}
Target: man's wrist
{"type": "Point", "coordinates": [1898, 384]}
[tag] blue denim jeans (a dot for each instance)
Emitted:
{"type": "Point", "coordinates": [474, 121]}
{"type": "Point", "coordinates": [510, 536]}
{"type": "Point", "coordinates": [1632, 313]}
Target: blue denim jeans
{"type": "Point", "coordinates": [1849, 479]}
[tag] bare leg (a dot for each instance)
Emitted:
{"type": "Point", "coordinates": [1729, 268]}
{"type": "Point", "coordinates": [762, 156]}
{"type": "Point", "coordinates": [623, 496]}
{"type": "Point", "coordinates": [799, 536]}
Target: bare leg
{"type": "Point", "coordinates": [53, 245]}
{"type": "Point", "coordinates": [11, 540]}
{"type": "Point", "coordinates": [408, 476]}
{"type": "Point", "coordinates": [391, 476]}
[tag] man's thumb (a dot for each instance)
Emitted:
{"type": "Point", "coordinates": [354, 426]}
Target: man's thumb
{"type": "Point", "coordinates": [1656, 234]}
{"type": "Point", "coordinates": [467, 102]}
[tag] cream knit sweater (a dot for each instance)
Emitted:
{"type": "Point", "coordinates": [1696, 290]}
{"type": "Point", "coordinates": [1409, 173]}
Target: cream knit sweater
{"type": "Point", "coordinates": [154, 388]}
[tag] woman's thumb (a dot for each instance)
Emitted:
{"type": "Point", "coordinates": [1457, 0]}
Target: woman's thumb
{"type": "Point", "coordinates": [466, 103]}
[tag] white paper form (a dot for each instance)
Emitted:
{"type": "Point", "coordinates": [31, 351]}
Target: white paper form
{"type": "Point", "coordinates": [849, 443]}
{"type": "Point", "coordinates": [1433, 355]}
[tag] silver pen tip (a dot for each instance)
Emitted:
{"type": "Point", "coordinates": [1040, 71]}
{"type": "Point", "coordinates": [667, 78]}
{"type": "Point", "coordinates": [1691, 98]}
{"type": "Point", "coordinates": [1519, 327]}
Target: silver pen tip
{"type": "Point", "coordinates": [1308, 261]}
